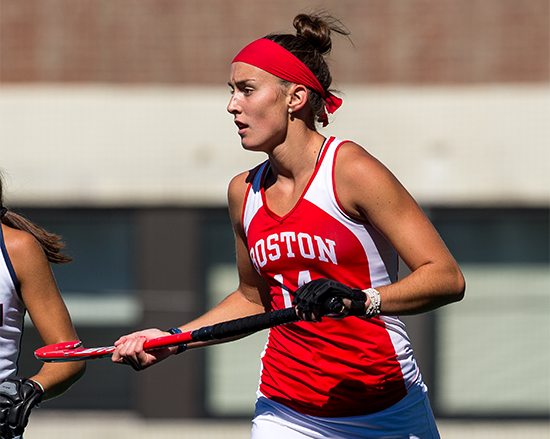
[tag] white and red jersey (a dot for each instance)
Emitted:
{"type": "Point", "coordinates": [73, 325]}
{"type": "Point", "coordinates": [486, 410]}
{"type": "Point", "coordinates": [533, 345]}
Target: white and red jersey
{"type": "Point", "coordinates": [334, 368]}
{"type": "Point", "coordinates": [12, 314]}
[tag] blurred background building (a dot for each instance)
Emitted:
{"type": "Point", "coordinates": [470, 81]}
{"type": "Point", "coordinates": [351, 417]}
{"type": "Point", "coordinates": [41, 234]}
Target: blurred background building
{"type": "Point", "coordinates": [114, 134]}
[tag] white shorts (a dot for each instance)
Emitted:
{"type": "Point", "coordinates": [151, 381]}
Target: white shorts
{"type": "Point", "coordinates": [410, 418]}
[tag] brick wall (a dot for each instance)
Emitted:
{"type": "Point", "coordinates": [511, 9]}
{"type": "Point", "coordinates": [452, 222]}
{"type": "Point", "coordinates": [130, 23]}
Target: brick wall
{"type": "Point", "coordinates": [193, 41]}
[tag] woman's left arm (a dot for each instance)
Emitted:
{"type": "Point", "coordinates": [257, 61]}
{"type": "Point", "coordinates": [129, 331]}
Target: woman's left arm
{"type": "Point", "coordinates": [369, 192]}
{"type": "Point", "coordinates": [46, 309]}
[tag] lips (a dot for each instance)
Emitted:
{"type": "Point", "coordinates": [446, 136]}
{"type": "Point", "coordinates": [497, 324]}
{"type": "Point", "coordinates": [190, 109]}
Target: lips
{"type": "Point", "coordinates": [242, 126]}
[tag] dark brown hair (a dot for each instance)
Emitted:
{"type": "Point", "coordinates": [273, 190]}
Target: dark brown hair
{"type": "Point", "coordinates": [51, 243]}
{"type": "Point", "coordinates": [311, 44]}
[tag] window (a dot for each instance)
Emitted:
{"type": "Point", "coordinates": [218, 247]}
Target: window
{"type": "Point", "coordinates": [492, 356]}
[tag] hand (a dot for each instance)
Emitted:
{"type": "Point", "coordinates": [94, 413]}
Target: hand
{"type": "Point", "coordinates": [18, 396]}
{"type": "Point", "coordinates": [129, 349]}
{"type": "Point", "coordinates": [310, 298]}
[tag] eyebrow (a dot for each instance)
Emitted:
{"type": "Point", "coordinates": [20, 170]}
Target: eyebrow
{"type": "Point", "coordinates": [241, 82]}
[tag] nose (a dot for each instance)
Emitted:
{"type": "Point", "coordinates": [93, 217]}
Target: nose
{"type": "Point", "coordinates": [232, 106]}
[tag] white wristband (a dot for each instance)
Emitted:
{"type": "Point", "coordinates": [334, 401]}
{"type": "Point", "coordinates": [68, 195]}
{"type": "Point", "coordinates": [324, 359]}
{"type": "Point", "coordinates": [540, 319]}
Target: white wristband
{"type": "Point", "coordinates": [374, 305]}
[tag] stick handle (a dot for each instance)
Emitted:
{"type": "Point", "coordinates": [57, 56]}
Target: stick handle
{"type": "Point", "coordinates": [242, 326]}
{"type": "Point", "coordinates": [245, 325]}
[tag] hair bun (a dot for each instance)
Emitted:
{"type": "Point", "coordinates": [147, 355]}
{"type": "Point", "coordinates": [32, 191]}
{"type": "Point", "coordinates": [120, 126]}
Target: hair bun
{"type": "Point", "coordinates": [316, 30]}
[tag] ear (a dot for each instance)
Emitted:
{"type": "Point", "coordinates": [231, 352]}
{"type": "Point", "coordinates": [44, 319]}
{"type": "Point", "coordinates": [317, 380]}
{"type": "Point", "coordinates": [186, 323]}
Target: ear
{"type": "Point", "coordinates": [297, 97]}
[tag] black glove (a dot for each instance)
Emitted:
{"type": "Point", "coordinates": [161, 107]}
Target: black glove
{"type": "Point", "coordinates": [312, 297]}
{"type": "Point", "coordinates": [18, 396]}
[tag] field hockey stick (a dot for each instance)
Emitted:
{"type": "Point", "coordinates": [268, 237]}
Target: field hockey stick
{"type": "Point", "coordinates": [71, 351]}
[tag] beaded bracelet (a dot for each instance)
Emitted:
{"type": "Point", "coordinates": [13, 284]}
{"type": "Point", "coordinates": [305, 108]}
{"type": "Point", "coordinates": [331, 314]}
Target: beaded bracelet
{"type": "Point", "coordinates": [374, 306]}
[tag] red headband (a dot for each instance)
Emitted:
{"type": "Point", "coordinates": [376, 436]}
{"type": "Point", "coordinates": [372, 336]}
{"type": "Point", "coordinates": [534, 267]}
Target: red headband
{"type": "Point", "coordinates": [275, 59]}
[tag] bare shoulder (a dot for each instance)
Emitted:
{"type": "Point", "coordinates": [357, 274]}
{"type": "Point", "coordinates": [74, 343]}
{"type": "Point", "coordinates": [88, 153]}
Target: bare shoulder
{"type": "Point", "coordinates": [355, 167]}
{"type": "Point", "coordinates": [363, 182]}
{"type": "Point", "coordinates": [21, 244]}
{"type": "Point", "coordinates": [25, 252]}
{"type": "Point", "coordinates": [352, 157]}
{"type": "Point", "coordinates": [238, 187]}
{"type": "Point", "coordinates": [242, 180]}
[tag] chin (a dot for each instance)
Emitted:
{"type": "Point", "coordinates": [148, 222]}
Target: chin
{"type": "Point", "coordinates": [250, 146]}
{"type": "Point", "coordinates": [252, 149]}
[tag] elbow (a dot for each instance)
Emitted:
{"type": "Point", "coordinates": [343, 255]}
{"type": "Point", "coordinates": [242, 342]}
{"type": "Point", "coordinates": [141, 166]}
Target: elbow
{"type": "Point", "coordinates": [457, 288]}
{"type": "Point", "coordinates": [79, 369]}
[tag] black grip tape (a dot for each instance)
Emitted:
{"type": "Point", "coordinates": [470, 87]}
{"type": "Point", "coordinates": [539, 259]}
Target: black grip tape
{"type": "Point", "coordinates": [245, 325]}
{"type": "Point", "coordinates": [258, 322]}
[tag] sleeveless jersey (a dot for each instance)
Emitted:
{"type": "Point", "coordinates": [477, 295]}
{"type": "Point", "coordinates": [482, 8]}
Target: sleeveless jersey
{"type": "Point", "coordinates": [334, 368]}
{"type": "Point", "coordinates": [12, 313]}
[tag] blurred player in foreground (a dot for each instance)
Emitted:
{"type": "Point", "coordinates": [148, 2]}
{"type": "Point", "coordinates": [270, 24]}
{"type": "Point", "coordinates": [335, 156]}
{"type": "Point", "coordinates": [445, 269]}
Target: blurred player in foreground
{"type": "Point", "coordinates": [321, 218]}
{"type": "Point", "coordinates": [27, 284]}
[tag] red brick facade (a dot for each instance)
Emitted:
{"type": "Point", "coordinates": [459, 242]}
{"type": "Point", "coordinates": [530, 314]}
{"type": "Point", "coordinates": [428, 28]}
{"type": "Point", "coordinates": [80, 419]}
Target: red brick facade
{"type": "Point", "coordinates": [193, 41]}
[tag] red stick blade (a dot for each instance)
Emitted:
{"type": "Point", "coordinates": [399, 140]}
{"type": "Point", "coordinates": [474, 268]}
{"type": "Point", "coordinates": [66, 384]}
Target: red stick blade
{"type": "Point", "coordinates": [63, 352]}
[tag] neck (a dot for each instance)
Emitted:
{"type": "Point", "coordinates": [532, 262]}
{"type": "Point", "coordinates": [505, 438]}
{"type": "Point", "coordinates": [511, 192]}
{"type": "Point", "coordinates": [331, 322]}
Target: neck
{"type": "Point", "coordinates": [297, 155]}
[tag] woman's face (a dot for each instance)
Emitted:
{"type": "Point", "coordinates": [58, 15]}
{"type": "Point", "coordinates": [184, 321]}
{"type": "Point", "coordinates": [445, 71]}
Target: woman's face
{"type": "Point", "coordinates": [259, 105]}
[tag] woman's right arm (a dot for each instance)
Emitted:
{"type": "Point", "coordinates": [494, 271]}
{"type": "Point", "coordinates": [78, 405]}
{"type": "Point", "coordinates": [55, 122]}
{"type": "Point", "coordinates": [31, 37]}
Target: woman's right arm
{"type": "Point", "coordinates": [251, 297]}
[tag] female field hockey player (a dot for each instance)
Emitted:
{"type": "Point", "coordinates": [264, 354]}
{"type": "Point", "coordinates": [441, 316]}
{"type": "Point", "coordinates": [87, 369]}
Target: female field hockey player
{"type": "Point", "coordinates": [27, 284]}
{"type": "Point", "coordinates": [320, 218]}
